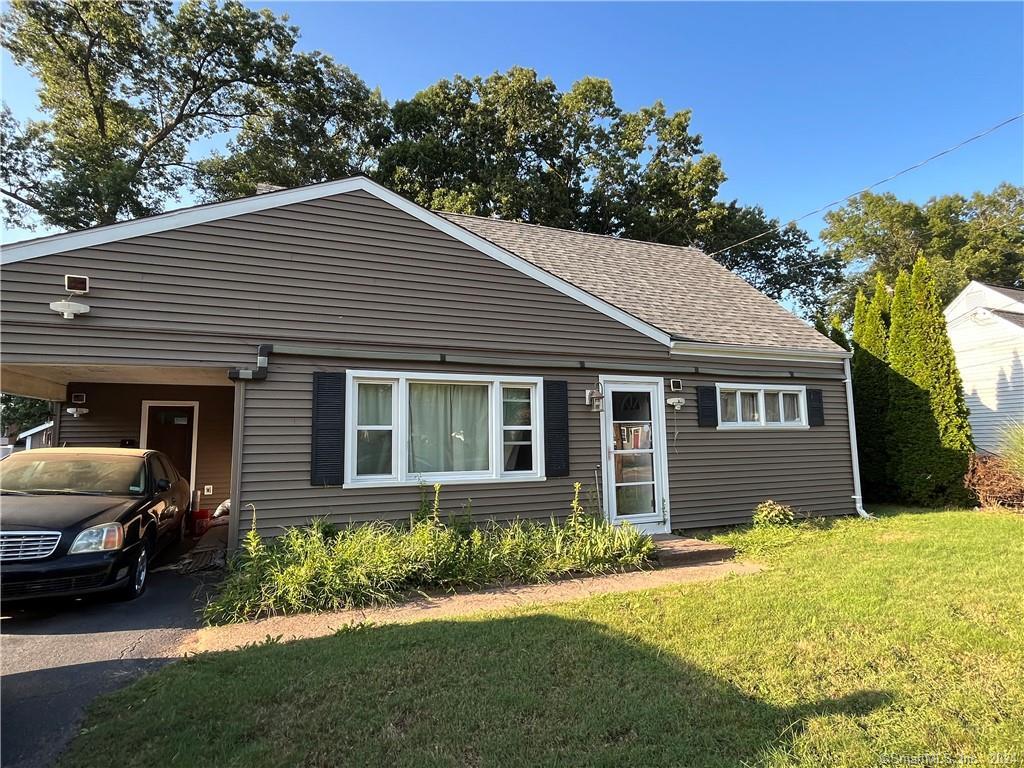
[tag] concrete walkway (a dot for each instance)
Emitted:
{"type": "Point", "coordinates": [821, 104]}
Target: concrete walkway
{"type": "Point", "coordinates": [458, 604]}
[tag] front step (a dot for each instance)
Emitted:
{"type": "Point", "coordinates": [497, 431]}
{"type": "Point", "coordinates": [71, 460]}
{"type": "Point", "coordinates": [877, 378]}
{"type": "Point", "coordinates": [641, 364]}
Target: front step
{"type": "Point", "coordinates": [671, 550]}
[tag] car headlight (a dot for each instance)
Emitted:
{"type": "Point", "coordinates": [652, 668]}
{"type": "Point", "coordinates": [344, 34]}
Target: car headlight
{"type": "Point", "coordinates": [98, 539]}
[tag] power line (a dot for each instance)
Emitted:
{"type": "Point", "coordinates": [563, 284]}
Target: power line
{"type": "Point", "coordinates": [868, 188]}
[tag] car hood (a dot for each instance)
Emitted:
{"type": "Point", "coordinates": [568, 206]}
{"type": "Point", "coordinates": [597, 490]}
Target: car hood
{"type": "Point", "coordinates": [59, 512]}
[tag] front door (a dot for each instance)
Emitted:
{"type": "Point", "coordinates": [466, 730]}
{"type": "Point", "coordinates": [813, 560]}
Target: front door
{"type": "Point", "coordinates": [633, 434]}
{"type": "Point", "coordinates": [171, 429]}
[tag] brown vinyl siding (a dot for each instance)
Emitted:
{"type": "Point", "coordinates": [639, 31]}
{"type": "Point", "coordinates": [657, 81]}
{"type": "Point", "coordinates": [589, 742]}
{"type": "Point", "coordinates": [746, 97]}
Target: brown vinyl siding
{"type": "Point", "coordinates": [715, 477]}
{"type": "Point", "coordinates": [115, 414]}
{"type": "Point", "coordinates": [343, 270]}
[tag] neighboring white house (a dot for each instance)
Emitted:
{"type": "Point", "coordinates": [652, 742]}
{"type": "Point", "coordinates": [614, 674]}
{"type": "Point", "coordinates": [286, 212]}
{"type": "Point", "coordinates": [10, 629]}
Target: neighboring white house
{"type": "Point", "coordinates": [986, 327]}
{"type": "Point", "coordinates": [37, 437]}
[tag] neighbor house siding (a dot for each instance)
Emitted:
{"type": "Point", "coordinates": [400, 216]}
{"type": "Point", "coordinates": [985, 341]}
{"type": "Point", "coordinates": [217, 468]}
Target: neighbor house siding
{"type": "Point", "coordinates": [990, 355]}
{"type": "Point", "coordinates": [115, 414]}
{"type": "Point", "coordinates": [714, 477]}
{"type": "Point", "coordinates": [348, 269]}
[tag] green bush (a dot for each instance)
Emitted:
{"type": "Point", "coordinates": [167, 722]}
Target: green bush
{"type": "Point", "coordinates": [321, 568]}
{"type": "Point", "coordinates": [771, 513]}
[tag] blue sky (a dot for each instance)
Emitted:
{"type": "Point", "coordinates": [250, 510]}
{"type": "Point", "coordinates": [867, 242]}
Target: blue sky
{"type": "Point", "coordinates": [804, 102]}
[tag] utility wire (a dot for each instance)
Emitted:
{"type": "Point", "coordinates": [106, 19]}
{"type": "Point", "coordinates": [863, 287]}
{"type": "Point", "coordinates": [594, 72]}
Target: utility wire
{"type": "Point", "coordinates": [937, 155]}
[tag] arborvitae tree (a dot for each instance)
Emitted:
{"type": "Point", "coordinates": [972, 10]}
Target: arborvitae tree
{"type": "Point", "coordinates": [929, 432]}
{"type": "Point", "coordinates": [837, 333]}
{"type": "Point", "coordinates": [820, 326]}
{"type": "Point", "coordinates": [882, 299]}
{"type": "Point", "coordinates": [939, 376]}
{"type": "Point", "coordinates": [912, 433]}
{"type": "Point", "coordinates": [871, 392]}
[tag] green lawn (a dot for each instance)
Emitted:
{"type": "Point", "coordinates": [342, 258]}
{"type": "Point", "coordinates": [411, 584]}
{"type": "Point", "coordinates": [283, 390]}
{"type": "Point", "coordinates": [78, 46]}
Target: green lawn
{"type": "Point", "coordinates": [864, 641]}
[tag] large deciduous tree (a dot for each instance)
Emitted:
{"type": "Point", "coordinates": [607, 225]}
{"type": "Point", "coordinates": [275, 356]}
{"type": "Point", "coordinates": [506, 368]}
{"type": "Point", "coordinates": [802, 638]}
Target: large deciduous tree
{"type": "Point", "coordinates": [126, 88]}
{"type": "Point", "coordinates": [963, 239]}
{"type": "Point", "coordinates": [513, 146]}
{"type": "Point", "coordinates": [321, 124]}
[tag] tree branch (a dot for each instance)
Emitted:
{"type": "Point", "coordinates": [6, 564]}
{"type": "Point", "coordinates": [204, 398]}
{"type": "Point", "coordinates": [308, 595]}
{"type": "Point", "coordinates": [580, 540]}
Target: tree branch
{"type": "Point", "coordinates": [33, 204]}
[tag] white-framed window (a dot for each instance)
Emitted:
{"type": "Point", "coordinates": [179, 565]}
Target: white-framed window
{"type": "Point", "coordinates": [761, 406]}
{"type": "Point", "coordinates": [409, 428]}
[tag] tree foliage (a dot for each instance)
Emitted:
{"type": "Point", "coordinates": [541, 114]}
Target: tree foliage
{"type": "Point", "coordinates": [929, 432]}
{"type": "Point", "coordinates": [871, 390]}
{"type": "Point", "coordinates": [963, 239]}
{"type": "Point", "coordinates": [513, 146]}
{"type": "Point", "coordinates": [20, 413]}
{"type": "Point", "coordinates": [127, 87]}
{"type": "Point", "coordinates": [320, 124]}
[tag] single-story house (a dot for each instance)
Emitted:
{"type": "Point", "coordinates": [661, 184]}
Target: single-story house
{"type": "Point", "coordinates": [986, 327]}
{"type": "Point", "coordinates": [333, 350]}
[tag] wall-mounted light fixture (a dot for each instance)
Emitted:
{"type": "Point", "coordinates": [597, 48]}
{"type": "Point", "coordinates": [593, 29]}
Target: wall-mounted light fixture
{"type": "Point", "coordinates": [595, 399]}
{"type": "Point", "coordinates": [69, 308]}
{"type": "Point", "coordinates": [76, 412]}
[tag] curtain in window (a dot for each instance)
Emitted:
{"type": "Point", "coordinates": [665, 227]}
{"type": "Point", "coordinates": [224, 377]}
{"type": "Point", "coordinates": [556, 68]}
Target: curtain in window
{"type": "Point", "coordinates": [374, 435]}
{"type": "Point", "coordinates": [448, 428]}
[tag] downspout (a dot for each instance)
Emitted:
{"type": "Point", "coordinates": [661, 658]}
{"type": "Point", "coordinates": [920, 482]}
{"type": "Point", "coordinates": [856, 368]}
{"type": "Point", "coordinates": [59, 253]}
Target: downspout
{"type": "Point", "coordinates": [858, 499]}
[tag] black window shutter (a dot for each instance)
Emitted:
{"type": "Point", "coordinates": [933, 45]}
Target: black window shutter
{"type": "Point", "coordinates": [815, 408]}
{"type": "Point", "coordinates": [707, 407]}
{"type": "Point", "coordinates": [556, 428]}
{"type": "Point", "coordinates": [327, 445]}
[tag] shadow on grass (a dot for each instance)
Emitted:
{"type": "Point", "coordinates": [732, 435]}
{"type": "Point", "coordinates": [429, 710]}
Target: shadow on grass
{"type": "Point", "coordinates": [534, 690]}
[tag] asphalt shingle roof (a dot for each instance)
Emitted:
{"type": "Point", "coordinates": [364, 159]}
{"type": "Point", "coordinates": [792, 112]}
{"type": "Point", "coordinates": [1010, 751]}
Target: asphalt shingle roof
{"type": "Point", "coordinates": [1014, 317]}
{"type": "Point", "coordinates": [680, 291]}
{"type": "Point", "coordinates": [1011, 293]}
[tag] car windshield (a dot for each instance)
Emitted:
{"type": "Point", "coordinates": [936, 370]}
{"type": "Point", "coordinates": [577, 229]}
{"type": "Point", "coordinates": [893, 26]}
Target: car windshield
{"type": "Point", "coordinates": [101, 475]}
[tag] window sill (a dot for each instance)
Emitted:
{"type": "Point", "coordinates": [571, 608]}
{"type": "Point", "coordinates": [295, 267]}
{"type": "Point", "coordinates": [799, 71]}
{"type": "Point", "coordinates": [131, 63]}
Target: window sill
{"type": "Point", "coordinates": [443, 481]}
{"type": "Point", "coordinates": [760, 428]}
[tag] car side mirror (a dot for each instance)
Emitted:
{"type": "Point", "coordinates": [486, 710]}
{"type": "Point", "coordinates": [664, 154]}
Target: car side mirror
{"type": "Point", "coordinates": [163, 484]}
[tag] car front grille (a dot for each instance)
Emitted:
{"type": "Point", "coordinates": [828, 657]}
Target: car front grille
{"type": "Point", "coordinates": [27, 545]}
{"type": "Point", "coordinates": [9, 588]}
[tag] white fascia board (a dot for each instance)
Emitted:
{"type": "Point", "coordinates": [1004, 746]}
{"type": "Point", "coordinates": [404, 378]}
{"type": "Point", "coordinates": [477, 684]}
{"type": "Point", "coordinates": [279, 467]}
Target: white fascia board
{"type": "Point", "coordinates": [746, 352]}
{"type": "Point", "coordinates": [68, 241]}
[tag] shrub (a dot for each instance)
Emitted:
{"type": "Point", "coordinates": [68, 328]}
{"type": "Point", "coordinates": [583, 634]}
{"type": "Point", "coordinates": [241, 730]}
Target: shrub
{"type": "Point", "coordinates": [994, 481]}
{"type": "Point", "coordinates": [320, 568]}
{"type": "Point", "coordinates": [770, 512]}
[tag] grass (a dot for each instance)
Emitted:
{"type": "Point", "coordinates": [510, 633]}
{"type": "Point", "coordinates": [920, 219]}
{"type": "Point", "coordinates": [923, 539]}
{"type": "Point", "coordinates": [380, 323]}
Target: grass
{"type": "Point", "coordinates": [319, 568]}
{"type": "Point", "coordinates": [863, 643]}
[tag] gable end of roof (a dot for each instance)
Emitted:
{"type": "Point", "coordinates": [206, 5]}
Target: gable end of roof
{"type": "Point", "coordinates": [68, 241]}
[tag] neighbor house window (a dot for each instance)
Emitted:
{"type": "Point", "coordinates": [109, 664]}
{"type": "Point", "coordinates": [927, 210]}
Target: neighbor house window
{"type": "Point", "coordinates": [745, 406]}
{"type": "Point", "coordinates": [414, 427]}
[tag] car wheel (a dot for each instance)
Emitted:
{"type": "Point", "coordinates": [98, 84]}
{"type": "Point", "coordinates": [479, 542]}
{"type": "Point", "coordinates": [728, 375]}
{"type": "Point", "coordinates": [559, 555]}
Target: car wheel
{"type": "Point", "coordinates": [138, 574]}
{"type": "Point", "coordinates": [183, 528]}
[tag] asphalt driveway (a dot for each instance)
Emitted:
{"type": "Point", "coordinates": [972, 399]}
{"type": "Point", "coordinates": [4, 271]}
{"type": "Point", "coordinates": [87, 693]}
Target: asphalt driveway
{"type": "Point", "coordinates": [58, 656]}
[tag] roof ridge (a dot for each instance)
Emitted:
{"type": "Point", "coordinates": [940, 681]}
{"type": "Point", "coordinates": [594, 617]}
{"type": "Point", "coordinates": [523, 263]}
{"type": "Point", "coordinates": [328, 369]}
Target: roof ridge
{"type": "Point", "coordinates": [616, 238]}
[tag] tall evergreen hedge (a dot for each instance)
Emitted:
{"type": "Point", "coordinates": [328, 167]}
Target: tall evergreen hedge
{"type": "Point", "coordinates": [871, 391]}
{"type": "Point", "coordinates": [940, 377]}
{"type": "Point", "coordinates": [929, 435]}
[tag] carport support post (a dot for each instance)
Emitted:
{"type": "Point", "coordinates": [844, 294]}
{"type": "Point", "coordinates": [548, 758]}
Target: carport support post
{"type": "Point", "coordinates": [236, 465]}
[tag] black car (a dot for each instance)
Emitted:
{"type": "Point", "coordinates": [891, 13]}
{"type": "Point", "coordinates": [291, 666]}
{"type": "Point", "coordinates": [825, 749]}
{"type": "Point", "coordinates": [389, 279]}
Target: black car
{"type": "Point", "coordinates": [81, 520]}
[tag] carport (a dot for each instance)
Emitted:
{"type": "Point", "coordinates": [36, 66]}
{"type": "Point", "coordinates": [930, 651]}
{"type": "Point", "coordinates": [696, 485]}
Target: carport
{"type": "Point", "coordinates": [187, 412]}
